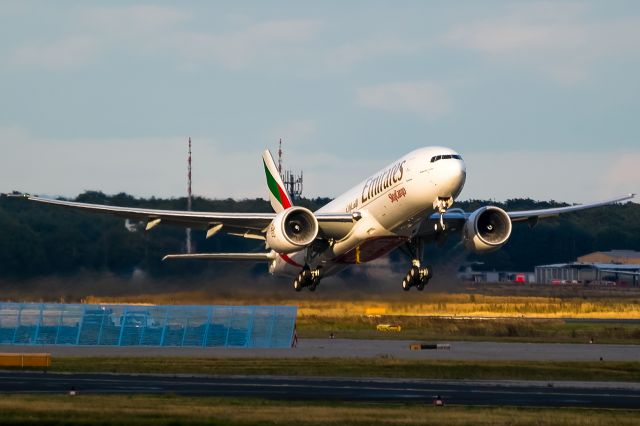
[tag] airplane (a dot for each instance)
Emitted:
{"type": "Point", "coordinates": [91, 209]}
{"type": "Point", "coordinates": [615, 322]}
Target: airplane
{"type": "Point", "coordinates": [405, 205]}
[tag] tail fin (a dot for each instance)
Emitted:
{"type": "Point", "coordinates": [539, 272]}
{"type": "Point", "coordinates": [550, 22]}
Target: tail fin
{"type": "Point", "coordinates": [280, 199]}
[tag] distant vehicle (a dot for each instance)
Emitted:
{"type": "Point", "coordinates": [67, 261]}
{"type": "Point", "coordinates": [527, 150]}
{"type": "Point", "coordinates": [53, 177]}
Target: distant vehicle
{"type": "Point", "coordinates": [389, 327]}
{"type": "Point", "coordinates": [405, 205]}
{"type": "Point", "coordinates": [558, 282]}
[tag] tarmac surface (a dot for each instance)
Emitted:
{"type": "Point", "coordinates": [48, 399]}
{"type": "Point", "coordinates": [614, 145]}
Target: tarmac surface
{"type": "Point", "coordinates": [352, 348]}
{"type": "Point", "coordinates": [503, 393]}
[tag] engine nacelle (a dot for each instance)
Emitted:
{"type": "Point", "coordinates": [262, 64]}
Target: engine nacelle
{"type": "Point", "coordinates": [487, 229]}
{"type": "Point", "coordinates": [292, 230]}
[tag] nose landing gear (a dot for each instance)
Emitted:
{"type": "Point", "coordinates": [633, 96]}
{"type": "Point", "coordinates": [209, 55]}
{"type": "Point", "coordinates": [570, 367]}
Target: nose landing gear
{"type": "Point", "coordinates": [441, 205]}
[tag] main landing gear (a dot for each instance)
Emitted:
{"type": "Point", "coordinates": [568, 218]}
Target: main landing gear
{"type": "Point", "coordinates": [308, 277]}
{"type": "Point", "coordinates": [418, 276]}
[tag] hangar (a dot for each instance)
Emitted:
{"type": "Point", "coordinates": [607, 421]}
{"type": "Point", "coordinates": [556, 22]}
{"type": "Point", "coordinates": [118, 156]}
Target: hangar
{"type": "Point", "coordinates": [144, 325]}
{"type": "Point", "coordinates": [587, 273]}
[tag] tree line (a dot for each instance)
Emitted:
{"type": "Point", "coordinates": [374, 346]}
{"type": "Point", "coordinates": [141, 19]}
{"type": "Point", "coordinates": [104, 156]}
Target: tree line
{"type": "Point", "coordinates": [39, 240]}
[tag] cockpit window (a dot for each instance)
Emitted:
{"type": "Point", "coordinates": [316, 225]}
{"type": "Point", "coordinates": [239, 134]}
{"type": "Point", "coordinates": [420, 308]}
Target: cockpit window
{"type": "Point", "coordinates": [445, 157]}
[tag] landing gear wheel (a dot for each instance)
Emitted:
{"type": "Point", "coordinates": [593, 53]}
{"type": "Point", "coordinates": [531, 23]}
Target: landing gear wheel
{"type": "Point", "coordinates": [406, 286]}
{"type": "Point", "coordinates": [423, 278]}
{"type": "Point", "coordinates": [416, 277]}
{"type": "Point", "coordinates": [307, 278]}
{"type": "Point", "coordinates": [306, 275]}
{"type": "Point", "coordinates": [429, 273]}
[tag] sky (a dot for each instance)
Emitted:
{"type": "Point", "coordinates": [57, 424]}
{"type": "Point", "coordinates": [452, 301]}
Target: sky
{"type": "Point", "coordinates": [542, 99]}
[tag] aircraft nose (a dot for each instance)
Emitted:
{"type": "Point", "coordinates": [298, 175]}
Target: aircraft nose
{"type": "Point", "coordinates": [452, 175]}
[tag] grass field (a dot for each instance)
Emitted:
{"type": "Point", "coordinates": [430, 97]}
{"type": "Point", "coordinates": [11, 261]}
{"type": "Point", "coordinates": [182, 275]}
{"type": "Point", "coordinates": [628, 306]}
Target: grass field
{"type": "Point", "coordinates": [175, 410]}
{"type": "Point", "coordinates": [569, 304]}
{"type": "Point", "coordinates": [503, 330]}
{"type": "Point", "coordinates": [358, 367]}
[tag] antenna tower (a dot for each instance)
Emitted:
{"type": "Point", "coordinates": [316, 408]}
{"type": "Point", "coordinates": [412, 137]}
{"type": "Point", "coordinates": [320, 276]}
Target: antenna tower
{"type": "Point", "coordinates": [292, 182]}
{"type": "Point", "coordinates": [188, 245]}
{"type": "Point", "coordinates": [280, 157]}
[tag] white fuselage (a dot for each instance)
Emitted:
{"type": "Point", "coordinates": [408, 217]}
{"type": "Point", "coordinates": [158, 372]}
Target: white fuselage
{"type": "Point", "coordinates": [392, 204]}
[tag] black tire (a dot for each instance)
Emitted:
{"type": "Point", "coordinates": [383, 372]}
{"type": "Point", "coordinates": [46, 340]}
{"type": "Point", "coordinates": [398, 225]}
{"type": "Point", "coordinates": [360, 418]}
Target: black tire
{"type": "Point", "coordinates": [405, 285]}
{"type": "Point", "coordinates": [297, 286]}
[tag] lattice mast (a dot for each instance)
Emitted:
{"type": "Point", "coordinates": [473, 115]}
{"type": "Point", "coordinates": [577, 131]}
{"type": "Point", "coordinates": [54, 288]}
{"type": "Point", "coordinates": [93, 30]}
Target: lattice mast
{"type": "Point", "coordinates": [280, 157]}
{"type": "Point", "coordinates": [189, 201]}
{"type": "Point", "coordinates": [292, 182]}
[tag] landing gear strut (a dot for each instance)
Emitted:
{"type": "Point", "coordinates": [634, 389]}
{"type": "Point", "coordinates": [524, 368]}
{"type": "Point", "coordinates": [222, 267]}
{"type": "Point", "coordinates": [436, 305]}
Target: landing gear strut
{"type": "Point", "coordinates": [307, 278]}
{"type": "Point", "coordinates": [418, 276]}
{"type": "Point", "coordinates": [441, 205]}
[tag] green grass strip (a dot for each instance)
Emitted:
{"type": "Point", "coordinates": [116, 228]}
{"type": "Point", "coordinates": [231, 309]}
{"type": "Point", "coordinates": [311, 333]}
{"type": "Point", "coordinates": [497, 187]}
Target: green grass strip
{"type": "Point", "coordinates": [176, 410]}
{"type": "Point", "coordinates": [359, 367]}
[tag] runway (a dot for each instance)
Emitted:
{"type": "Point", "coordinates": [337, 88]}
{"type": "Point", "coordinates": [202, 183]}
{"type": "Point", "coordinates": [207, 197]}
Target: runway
{"type": "Point", "coordinates": [360, 348]}
{"type": "Point", "coordinates": [504, 393]}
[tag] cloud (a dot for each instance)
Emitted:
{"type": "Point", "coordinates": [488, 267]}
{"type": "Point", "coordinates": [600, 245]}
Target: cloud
{"type": "Point", "coordinates": [294, 132]}
{"type": "Point", "coordinates": [91, 33]}
{"type": "Point", "coordinates": [423, 98]}
{"type": "Point", "coordinates": [556, 39]}
{"type": "Point", "coordinates": [138, 19]}
{"type": "Point", "coordinates": [42, 165]}
{"type": "Point", "coordinates": [349, 54]}
{"type": "Point", "coordinates": [271, 40]}
{"type": "Point", "coordinates": [551, 174]}
{"type": "Point", "coordinates": [623, 173]}
{"type": "Point", "coordinates": [70, 52]}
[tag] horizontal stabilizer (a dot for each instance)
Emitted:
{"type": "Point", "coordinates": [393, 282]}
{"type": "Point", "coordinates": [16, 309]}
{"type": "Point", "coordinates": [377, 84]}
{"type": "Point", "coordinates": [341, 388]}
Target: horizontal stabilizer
{"type": "Point", "coordinates": [224, 257]}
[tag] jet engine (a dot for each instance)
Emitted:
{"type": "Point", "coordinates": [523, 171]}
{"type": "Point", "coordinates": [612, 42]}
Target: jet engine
{"type": "Point", "coordinates": [292, 230]}
{"type": "Point", "coordinates": [487, 229]}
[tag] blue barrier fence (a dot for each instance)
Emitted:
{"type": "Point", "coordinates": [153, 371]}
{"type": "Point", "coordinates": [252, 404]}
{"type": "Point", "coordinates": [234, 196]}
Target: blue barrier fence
{"type": "Point", "coordinates": [135, 325]}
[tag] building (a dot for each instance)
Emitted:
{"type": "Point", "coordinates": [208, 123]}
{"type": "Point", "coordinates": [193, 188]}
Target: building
{"type": "Point", "coordinates": [466, 272]}
{"type": "Point", "coordinates": [589, 273]}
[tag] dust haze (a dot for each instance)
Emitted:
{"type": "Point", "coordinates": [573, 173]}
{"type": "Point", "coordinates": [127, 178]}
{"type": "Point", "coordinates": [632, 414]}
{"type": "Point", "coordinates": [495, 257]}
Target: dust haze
{"type": "Point", "coordinates": [237, 283]}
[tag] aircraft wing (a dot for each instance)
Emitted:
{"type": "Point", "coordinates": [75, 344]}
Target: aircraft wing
{"type": "Point", "coordinates": [519, 216]}
{"type": "Point", "coordinates": [229, 257]}
{"type": "Point", "coordinates": [248, 225]}
{"type": "Point", "coordinates": [455, 219]}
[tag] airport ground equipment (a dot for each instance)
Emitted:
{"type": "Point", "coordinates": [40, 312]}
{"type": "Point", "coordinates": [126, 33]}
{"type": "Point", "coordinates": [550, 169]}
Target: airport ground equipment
{"type": "Point", "coordinates": [143, 325]}
{"type": "Point", "coordinates": [389, 327]}
{"type": "Point", "coordinates": [25, 360]}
